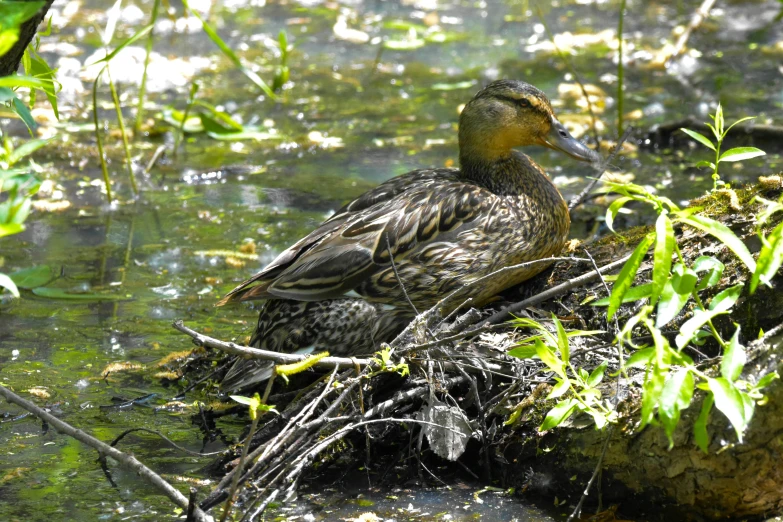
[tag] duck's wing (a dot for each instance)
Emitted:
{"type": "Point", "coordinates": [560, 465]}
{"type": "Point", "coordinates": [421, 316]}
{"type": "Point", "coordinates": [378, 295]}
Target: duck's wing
{"type": "Point", "coordinates": [354, 243]}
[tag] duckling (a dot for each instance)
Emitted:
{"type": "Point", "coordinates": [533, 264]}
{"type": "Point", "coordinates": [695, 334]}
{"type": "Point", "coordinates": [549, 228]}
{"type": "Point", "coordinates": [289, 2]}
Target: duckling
{"type": "Point", "coordinates": [443, 228]}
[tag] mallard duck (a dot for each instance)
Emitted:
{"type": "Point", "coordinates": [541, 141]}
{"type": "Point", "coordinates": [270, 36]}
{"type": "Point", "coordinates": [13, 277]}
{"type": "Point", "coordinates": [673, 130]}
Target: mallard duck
{"type": "Point", "coordinates": [336, 289]}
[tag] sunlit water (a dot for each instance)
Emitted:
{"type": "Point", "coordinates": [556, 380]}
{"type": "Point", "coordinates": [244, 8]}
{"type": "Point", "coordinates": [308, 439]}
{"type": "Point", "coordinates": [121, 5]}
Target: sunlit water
{"type": "Point", "coordinates": [343, 125]}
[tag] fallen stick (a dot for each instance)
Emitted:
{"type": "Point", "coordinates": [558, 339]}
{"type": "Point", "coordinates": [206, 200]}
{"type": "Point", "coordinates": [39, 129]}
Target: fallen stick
{"type": "Point", "coordinates": [327, 363]}
{"type": "Point", "coordinates": [105, 450]}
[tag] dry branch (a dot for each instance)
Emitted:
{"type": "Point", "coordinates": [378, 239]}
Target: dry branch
{"type": "Point", "coordinates": [104, 450]}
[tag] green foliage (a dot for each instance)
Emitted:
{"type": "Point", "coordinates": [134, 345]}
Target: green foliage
{"type": "Point", "coordinates": [255, 406]}
{"type": "Point", "coordinates": [575, 389]}
{"type": "Point", "coordinates": [17, 187]}
{"type": "Point", "coordinates": [383, 358]}
{"type": "Point", "coordinates": [283, 73]}
{"type": "Point", "coordinates": [12, 16]}
{"type": "Point", "coordinates": [230, 54]}
{"type": "Point", "coordinates": [731, 155]}
{"type": "Point", "coordinates": [670, 374]}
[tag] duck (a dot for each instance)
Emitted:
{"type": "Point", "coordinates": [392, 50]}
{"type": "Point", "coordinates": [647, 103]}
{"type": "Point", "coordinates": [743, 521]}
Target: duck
{"type": "Point", "coordinates": [398, 249]}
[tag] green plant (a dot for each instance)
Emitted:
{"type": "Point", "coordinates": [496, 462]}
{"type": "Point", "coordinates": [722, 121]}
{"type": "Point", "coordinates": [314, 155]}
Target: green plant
{"type": "Point", "coordinates": [383, 358]}
{"type": "Point", "coordinates": [283, 73]}
{"type": "Point", "coordinates": [575, 388]}
{"type": "Point", "coordinates": [230, 54]}
{"type": "Point", "coordinates": [735, 154]}
{"type": "Point", "coordinates": [670, 374]}
{"type": "Point", "coordinates": [17, 187]}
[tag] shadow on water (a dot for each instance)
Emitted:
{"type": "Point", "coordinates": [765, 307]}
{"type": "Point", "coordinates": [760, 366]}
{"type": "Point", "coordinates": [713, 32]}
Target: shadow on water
{"type": "Point", "coordinates": [343, 126]}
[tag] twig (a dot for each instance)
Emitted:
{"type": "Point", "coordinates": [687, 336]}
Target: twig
{"type": "Point", "coordinates": [455, 296]}
{"type": "Point", "coordinates": [397, 275]}
{"type": "Point", "coordinates": [578, 509]}
{"type": "Point", "coordinates": [159, 434]}
{"type": "Point", "coordinates": [698, 17]}
{"type": "Point", "coordinates": [551, 292]}
{"type": "Point", "coordinates": [256, 353]}
{"type": "Point", "coordinates": [105, 450]}
{"type": "Point", "coordinates": [578, 200]}
{"type": "Point", "coordinates": [154, 159]}
{"type": "Point", "coordinates": [327, 363]}
{"type": "Point", "coordinates": [606, 287]}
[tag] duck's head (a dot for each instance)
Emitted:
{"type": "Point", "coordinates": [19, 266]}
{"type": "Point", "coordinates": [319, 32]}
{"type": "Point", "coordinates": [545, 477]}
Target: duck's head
{"type": "Point", "coordinates": [508, 114]}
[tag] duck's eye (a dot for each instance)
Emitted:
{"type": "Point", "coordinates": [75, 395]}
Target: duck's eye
{"type": "Point", "coordinates": [523, 102]}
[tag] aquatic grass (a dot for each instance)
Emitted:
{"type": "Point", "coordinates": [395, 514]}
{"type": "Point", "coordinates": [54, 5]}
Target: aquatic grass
{"type": "Point", "coordinates": [123, 133]}
{"type": "Point", "coordinates": [191, 100]}
{"type": "Point", "coordinates": [110, 55]}
{"type": "Point", "coordinates": [98, 138]}
{"type": "Point", "coordinates": [148, 51]}
{"type": "Point", "coordinates": [230, 54]}
{"type": "Point", "coordinates": [620, 69]}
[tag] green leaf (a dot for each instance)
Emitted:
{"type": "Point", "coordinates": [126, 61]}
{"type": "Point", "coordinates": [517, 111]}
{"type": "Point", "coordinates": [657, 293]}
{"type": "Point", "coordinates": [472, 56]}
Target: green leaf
{"type": "Point", "coordinates": [627, 275]}
{"type": "Point", "coordinates": [641, 357]}
{"type": "Point", "coordinates": [40, 69]}
{"type": "Point", "coordinates": [24, 113]}
{"type": "Point", "coordinates": [562, 340]}
{"type": "Point", "coordinates": [651, 393]}
{"type": "Point", "coordinates": [523, 352]}
{"type": "Point", "coordinates": [14, 14]}
{"type": "Point", "coordinates": [547, 356]}
{"type": "Point", "coordinates": [33, 277]}
{"type": "Point", "coordinates": [59, 293]}
{"type": "Point", "coordinates": [9, 229]}
{"type": "Point", "coordinates": [770, 258]}
{"type": "Point", "coordinates": [728, 399]}
{"type": "Point", "coordinates": [562, 386]}
{"type": "Point", "coordinates": [634, 293]}
{"type": "Point", "coordinates": [725, 299]}
{"type": "Point", "coordinates": [723, 234]}
{"type": "Point", "coordinates": [766, 380]}
{"type": "Point", "coordinates": [700, 426]}
{"type": "Point", "coordinates": [733, 358]}
{"type": "Point", "coordinates": [700, 138]}
{"type": "Point", "coordinates": [614, 208]}
{"type": "Point", "coordinates": [664, 249]}
{"type": "Point", "coordinates": [26, 149]}
{"type": "Point", "coordinates": [8, 37]}
{"type": "Point", "coordinates": [675, 294]}
{"type": "Point", "coordinates": [15, 80]}
{"type": "Point", "coordinates": [253, 77]}
{"type": "Point", "coordinates": [247, 401]}
{"type": "Point", "coordinates": [597, 375]}
{"type": "Point", "coordinates": [741, 153]}
{"type": "Point", "coordinates": [559, 414]}
{"type": "Point", "coordinates": [704, 163]}
{"type": "Point", "coordinates": [141, 33]}
{"type": "Point", "coordinates": [7, 283]}
{"type": "Point", "coordinates": [740, 121]}
{"type": "Point", "coordinates": [719, 121]}
{"type": "Point", "coordinates": [714, 269]}
{"type": "Point", "coordinates": [720, 304]}
{"type": "Point", "coordinates": [675, 396]}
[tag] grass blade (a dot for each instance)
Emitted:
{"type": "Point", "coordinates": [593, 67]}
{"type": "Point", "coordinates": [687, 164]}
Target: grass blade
{"type": "Point", "coordinates": [627, 275]}
{"type": "Point", "coordinates": [230, 54]}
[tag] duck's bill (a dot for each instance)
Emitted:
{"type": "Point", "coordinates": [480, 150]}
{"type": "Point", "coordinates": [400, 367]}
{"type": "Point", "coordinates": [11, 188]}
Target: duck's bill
{"type": "Point", "coordinates": [560, 139]}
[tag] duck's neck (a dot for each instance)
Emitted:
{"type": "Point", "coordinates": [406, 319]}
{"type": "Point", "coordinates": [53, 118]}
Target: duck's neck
{"type": "Point", "coordinates": [506, 174]}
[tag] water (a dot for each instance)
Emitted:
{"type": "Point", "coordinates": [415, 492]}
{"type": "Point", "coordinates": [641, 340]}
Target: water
{"type": "Point", "coordinates": [161, 258]}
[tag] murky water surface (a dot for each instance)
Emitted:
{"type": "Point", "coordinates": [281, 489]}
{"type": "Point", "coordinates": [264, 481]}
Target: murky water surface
{"type": "Point", "coordinates": [351, 117]}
